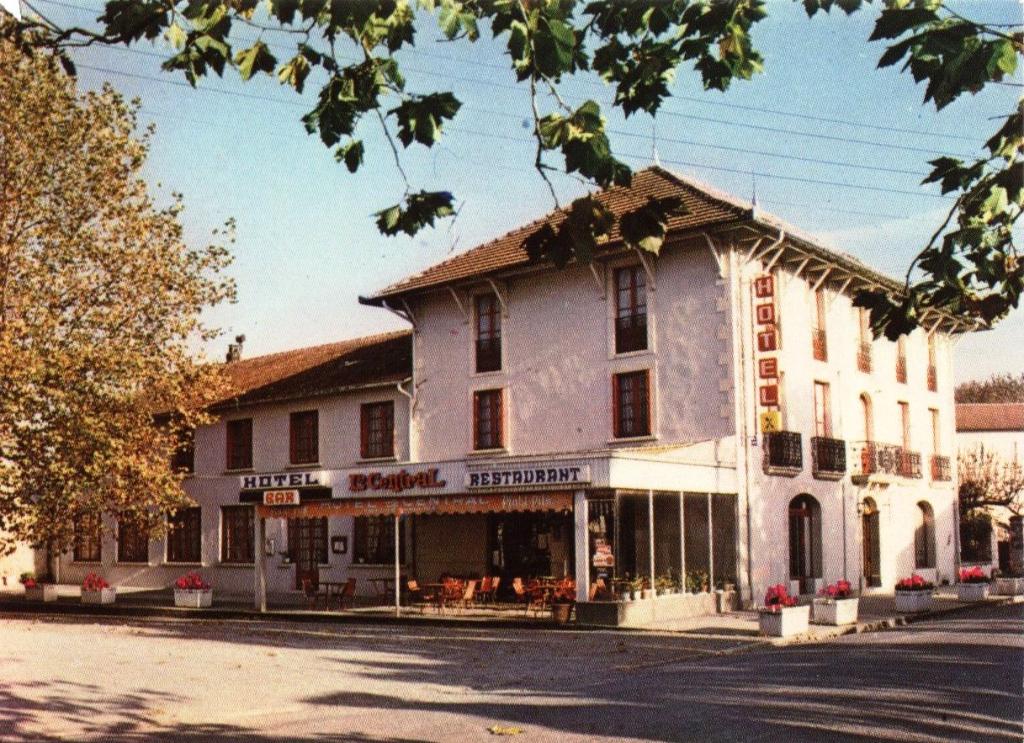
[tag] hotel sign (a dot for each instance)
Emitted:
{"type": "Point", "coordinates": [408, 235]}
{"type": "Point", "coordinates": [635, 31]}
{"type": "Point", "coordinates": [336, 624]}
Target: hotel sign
{"type": "Point", "coordinates": [533, 476]}
{"type": "Point", "coordinates": [766, 332]}
{"type": "Point", "coordinates": [315, 479]}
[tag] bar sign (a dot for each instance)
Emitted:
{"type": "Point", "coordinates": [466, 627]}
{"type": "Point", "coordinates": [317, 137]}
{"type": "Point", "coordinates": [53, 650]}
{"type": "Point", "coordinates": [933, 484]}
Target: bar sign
{"type": "Point", "coordinates": [281, 498]}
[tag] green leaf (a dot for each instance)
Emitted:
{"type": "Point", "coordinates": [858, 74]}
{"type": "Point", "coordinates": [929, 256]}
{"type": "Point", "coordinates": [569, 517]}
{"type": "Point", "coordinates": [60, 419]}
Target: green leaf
{"type": "Point", "coordinates": [351, 154]}
{"type": "Point", "coordinates": [176, 35]}
{"type": "Point", "coordinates": [420, 118]}
{"type": "Point", "coordinates": [256, 58]}
{"type": "Point", "coordinates": [294, 72]}
{"type": "Point", "coordinates": [895, 22]}
{"type": "Point", "coordinates": [419, 210]}
{"type": "Point", "coordinates": [646, 226]}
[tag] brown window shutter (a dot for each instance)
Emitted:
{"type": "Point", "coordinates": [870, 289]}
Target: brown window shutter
{"type": "Point", "coordinates": [293, 449]}
{"type": "Point", "coordinates": [499, 416]}
{"type": "Point", "coordinates": [364, 431]}
{"type": "Point", "coordinates": [616, 420]}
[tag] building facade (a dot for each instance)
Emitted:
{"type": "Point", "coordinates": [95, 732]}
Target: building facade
{"type": "Point", "coordinates": [719, 413]}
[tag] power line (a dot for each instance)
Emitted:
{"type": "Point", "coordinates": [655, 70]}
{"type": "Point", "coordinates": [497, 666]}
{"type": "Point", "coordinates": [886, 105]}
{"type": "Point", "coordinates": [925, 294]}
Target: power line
{"type": "Point", "coordinates": [664, 110]}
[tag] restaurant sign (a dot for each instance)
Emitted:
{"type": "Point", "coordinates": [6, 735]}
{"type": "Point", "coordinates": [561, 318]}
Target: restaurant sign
{"type": "Point", "coordinates": [313, 479]}
{"type": "Point", "coordinates": [532, 476]}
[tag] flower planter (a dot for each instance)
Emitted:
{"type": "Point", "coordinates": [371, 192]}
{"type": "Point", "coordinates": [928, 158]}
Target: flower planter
{"type": "Point", "coordinates": [41, 592]}
{"type": "Point", "coordinates": [836, 612]}
{"type": "Point", "coordinates": [786, 622]}
{"type": "Point", "coordinates": [193, 598]}
{"type": "Point", "coordinates": [909, 602]}
{"type": "Point", "coordinates": [560, 613]}
{"type": "Point", "coordinates": [972, 591]}
{"type": "Point", "coordinates": [102, 596]}
{"type": "Point", "coordinates": [1008, 587]}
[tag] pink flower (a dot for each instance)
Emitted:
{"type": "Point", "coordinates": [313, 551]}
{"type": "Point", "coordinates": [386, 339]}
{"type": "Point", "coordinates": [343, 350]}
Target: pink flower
{"type": "Point", "coordinates": [777, 598]}
{"type": "Point", "coordinates": [94, 582]}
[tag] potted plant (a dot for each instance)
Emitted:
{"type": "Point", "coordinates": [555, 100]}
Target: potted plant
{"type": "Point", "coordinates": [190, 590]}
{"type": "Point", "coordinates": [697, 581]}
{"type": "Point", "coordinates": [836, 604]}
{"type": "Point", "coordinates": [913, 594]}
{"type": "Point", "coordinates": [636, 588]}
{"type": "Point", "coordinates": [781, 617]}
{"type": "Point", "coordinates": [562, 600]}
{"type": "Point", "coordinates": [973, 585]}
{"type": "Point", "coordinates": [1007, 585]}
{"type": "Point", "coordinates": [663, 585]}
{"type": "Point", "coordinates": [96, 590]}
{"type": "Point", "coordinates": [36, 591]}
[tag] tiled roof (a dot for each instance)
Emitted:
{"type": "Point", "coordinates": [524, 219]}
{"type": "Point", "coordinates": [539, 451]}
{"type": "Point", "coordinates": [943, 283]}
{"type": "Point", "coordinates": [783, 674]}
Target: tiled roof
{"type": "Point", "coordinates": [319, 370]}
{"type": "Point", "coordinates": [704, 206]}
{"type": "Point", "coordinates": [997, 416]}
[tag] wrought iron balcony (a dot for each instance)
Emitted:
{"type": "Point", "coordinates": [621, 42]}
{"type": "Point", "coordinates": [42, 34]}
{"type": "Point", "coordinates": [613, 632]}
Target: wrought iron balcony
{"type": "Point", "coordinates": [901, 369]}
{"type": "Point", "coordinates": [819, 342]}
{"type": "Point", "coordinates": [630, 333]}
{"type": "Point", "coordinates": [783, 453]}
{"type": "Point", "coordinates": [933, 382]}
{"type": "Point", "coordinates": [828, 458]}
{"type": "Point", "coordinates": [874, 459]}
{"type": "Point", "coordinates": [488, 354]}
{"type": "Point", "coordinates": [941, 469]}
{"type": "Point", "coordinates": [864, 357]}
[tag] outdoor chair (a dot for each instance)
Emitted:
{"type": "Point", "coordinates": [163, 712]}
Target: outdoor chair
{"type": "Point", "coordinates": [417, 597]}
{"type": "Point", "coordinates": [312, 593]}
{"type": "Point", "coordinates": [347, 593]}
{"type": "Point", "coordinates": [451, 593]}
{"type": "Point", "coordinates": [468, 595]}
{"type": "Point", "coordinates": [493, 594]}
{"type": "Point", "coordinates": [484, 591]}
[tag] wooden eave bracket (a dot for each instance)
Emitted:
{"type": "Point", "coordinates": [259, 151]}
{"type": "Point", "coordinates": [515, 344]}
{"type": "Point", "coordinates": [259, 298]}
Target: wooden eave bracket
{"type": "Point", "coordinates": [403, 312]}
{"type": "Point", "coordinates": [500, 294]}
{"type": "Point", "coordinates": [716, 253]}
{"type": "Point", "coordinates": [463, 309]}
{"type": "Point", "coordinates": [600, 278]}
{"type": "Point", "coordinates": [646, 262]}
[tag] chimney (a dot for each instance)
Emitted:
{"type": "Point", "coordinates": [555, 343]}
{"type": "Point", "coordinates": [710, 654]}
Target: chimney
{"type": "Point", "coordinates": [235, 349]}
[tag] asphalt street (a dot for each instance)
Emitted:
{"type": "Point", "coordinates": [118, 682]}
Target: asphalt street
{"type": "Point", "coordinates": [952, 679]}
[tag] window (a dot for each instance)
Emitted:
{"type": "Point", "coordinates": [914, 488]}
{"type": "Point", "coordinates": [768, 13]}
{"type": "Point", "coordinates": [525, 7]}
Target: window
{"type": "Point", "coordinates": [304, 437]}
{"type": "Point", "coordinates": [864, 336]}
{"type": "Point", "coordinates": [185, 538]}
{"type": "Point", "coordinates": [819, 339]}
{"type": "Point", "coordinates": [630, 309]}
{"type": "Point", "coordinates": [866, 421]}
{"type": "Point", "coordinates": [307, 541]}
{"type": "Point", "coordinates": [183, 459]}
{"type": "Point", "coordinates": [239, 444]}
{"type": "Point", "coordinates": [488, 333]}
{"type": "Point", "coordinates": [487, 420]}
{"type": "Point", "coordinates": [822, 410]}
{"type": "Point", "coordinates": [936, 431]}
{"type": "Point", "coordinates": [632, 404]}
{"type": "Point", "coordinates": [375, 540]}
{"type": "Point", "coordinates": [924, 537]}
{"type": "Point", "coordinates": [88, 539]}
{"type": "Point", "coordinates": [132, 540]}
{"type": "Point", "coordinates": [377, 430]}
{"type": "Point", "coordinates": [905, 423]}
{"type": "Point", "coordinates": [901, 359]}
{"type": "Point", "coordinates": [933, 381]}
{"type": "Point", "coordinates": [237, 526]}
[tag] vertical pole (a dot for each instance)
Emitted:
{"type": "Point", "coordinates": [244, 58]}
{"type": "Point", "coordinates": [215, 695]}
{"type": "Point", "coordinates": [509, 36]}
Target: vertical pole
{"type": "Point", "coordinates": [650, 533]}
{"type": "Point", "coordinates": [398, 555]}
{"type": "Point", "coordinates": [711, 549]}
{"type": "Point", "coordinates": [682, 540]}
{"type": "Point", "coordinates": [581, 520]}
{"type": "Point", "coordinates": [259, 548]}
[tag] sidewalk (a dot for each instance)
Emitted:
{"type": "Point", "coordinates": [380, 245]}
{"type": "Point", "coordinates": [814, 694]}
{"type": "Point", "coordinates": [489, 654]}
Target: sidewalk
{"type": "Point", "coordinates": [877, 612]}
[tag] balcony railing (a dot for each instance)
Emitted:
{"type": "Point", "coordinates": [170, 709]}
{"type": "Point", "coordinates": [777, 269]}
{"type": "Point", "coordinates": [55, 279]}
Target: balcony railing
{"type": "Point", "coordinates": [630, 333]}
{"type": "Point", "coordinates": [828, 458]}
{"type": "Point", "coordinates": [873, 458]}
{"type": "Point", "coordinates": [933, 383]}
{"type": "Point", "coordinates": [819, 342]}
{"type": "Point", "coordinates": [783, 453]}
{"type": "Point", "coordinates": [941, 470]}
{"type": "Point", "coordinates": [901, 370]}
{"type": "Point", "coordinates": [864, 357]}
{"type": "Point", "coordinates": [488, 354]}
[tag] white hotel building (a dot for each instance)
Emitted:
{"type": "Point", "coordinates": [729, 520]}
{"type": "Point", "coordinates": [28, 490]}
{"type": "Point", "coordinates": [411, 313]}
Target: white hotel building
{"type": "Point", "coordinates": [601, 420]}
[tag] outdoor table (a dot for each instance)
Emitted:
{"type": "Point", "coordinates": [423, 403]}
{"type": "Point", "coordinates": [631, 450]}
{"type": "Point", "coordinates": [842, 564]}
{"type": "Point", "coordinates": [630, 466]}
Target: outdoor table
{"type": "Point", "coordinates": [331, 588]}
{"type": "Point", "coordinates": [383, 588]}
{"type": "Point", "coordinates": [437, 589]}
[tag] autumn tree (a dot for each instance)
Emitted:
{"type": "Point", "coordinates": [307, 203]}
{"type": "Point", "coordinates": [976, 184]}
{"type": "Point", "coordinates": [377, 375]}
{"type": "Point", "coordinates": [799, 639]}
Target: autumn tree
{"type": "Point", "coordinates": [100, 304]}
{"type": "Point", "coordinates": [970, 266]}
{"type": "Point", "coordinates": [997, 388]}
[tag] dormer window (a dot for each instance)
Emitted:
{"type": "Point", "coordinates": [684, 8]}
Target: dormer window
{"type": "Point", "coordinates": [488, 333]}
{"type": "Point", "coordinates": [630, 309]}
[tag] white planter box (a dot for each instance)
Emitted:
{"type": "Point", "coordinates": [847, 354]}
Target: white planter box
{"type": "Point", "coordinates": [1008, 587]}
{"type": "Point", "coordinates": [42, 592]}
{"type": "Point", "coordinates": [972, 591]}
{"type": "Point", "coordinates": [908, 602]}
{"type": "Point", "coordinates": [785, 622]}
{"type": "Point", "coordinates": [193, 599]}
{"type": "Point", "coordinates": [102, 596]}
{"type": "Point", "coordinates": [840, 612]}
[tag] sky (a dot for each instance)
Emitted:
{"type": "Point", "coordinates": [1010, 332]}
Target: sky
{"type": "Point", "coordinates": [827, 142]}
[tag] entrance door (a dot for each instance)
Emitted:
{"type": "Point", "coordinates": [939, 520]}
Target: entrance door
{"type": "Point", "coordinates": [307, 547]}
{"type": "Point", "coordinates": [870, 539]}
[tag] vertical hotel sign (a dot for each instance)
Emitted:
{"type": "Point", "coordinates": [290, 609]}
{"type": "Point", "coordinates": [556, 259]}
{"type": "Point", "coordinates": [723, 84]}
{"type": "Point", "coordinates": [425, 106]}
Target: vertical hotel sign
{"type": "Point", "coordinates": [766, 333]}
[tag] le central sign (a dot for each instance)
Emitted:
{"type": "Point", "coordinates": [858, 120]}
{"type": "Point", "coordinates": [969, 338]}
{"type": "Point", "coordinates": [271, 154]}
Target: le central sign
{"type": "Point", "coordinates": [395, 482]}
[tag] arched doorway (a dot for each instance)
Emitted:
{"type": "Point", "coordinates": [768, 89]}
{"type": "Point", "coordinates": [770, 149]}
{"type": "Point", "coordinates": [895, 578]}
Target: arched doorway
{"type": "Point", "coordinates": [805, 542]}
{"type": "Point", "coordinates": [870, 542]}
{"type": "Point", "coordinates": [924, 537]}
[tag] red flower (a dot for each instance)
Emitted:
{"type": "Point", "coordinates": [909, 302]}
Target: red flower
{"type": "Point", "coordinates": [914, 583]}
{"type": "Point", "coordinates": [777, 598]}
{"type": "Point", "coordinates": [841, 589]}
{"type": "Point", "coordinates": [29, 582]}
{"type": "Point", "coordinates": [94, 582]}
{"type": "Point", "coordinates": [191, 582]}
{"type": "Point", "coordinates": [973, 575]}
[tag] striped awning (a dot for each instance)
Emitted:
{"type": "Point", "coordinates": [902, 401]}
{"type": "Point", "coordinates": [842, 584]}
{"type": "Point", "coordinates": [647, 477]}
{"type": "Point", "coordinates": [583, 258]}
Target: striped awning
{"type": "Point", "coordinates": [442, 504]}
